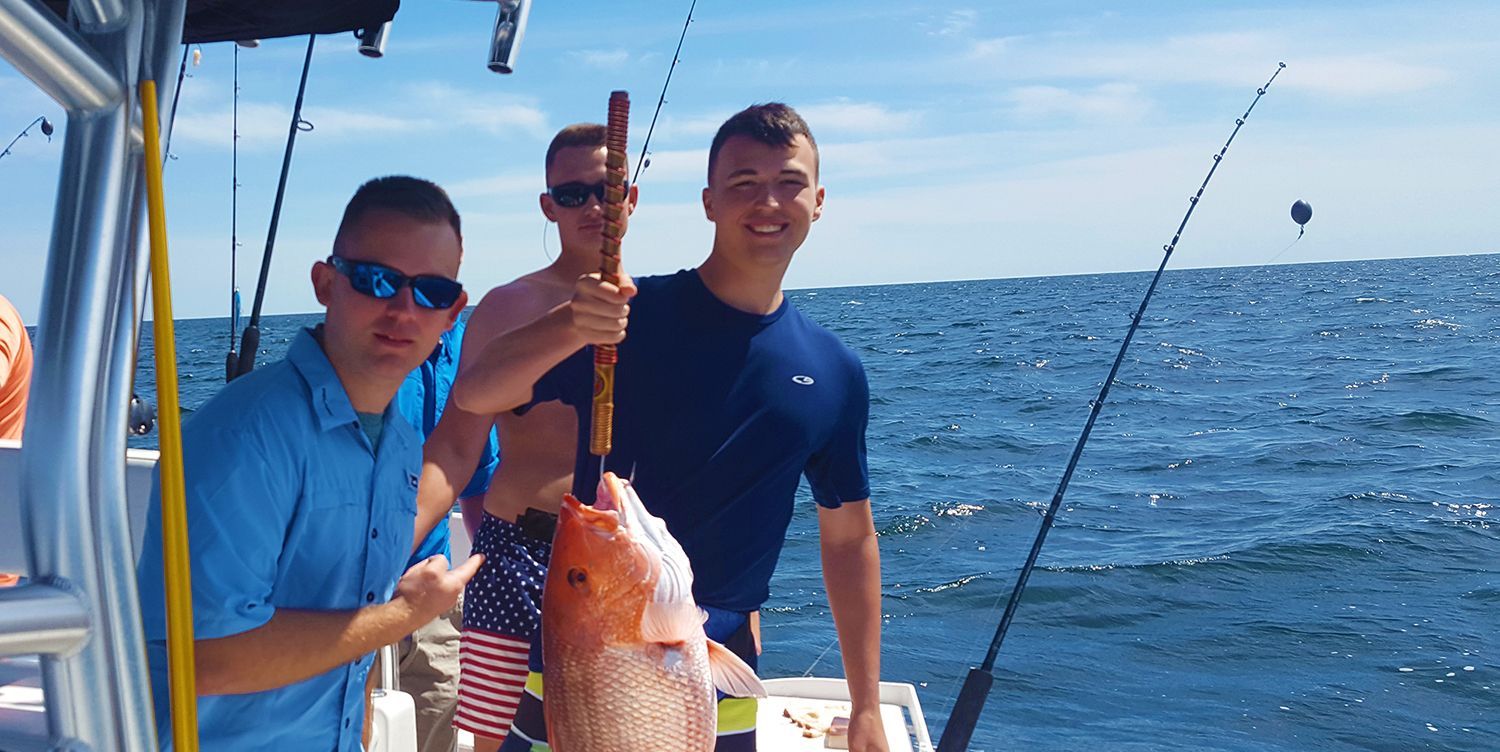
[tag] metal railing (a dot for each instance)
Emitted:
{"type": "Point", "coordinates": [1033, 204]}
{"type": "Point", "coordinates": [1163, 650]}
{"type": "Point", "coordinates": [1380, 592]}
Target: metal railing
{"type": "Point", "coordinates": [80, 611]}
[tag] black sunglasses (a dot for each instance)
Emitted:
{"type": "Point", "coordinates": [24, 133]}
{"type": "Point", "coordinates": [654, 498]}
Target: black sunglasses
{"type": "Point", "coordinates": [382, 282]}
{"type": "Point", "coordinates": [573, 195]}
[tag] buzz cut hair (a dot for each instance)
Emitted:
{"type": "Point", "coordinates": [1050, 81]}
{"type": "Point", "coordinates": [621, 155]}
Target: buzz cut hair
{"type": "Point", "coordinates": [577, 134]}
{"type": "Point", "coordinates": [418, 199]}
{"type": "Point", "coordinates": [772, 124]}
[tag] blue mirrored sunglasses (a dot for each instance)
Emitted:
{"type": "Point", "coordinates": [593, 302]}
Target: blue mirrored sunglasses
{"type": "Point", "coordinates": [382, 282]}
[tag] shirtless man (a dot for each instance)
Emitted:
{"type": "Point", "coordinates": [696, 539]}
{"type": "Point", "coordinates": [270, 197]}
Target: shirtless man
{"type": "Point", "coordinates": [503, 602]}
{"type": "Point", "coordinates": [728, 396]}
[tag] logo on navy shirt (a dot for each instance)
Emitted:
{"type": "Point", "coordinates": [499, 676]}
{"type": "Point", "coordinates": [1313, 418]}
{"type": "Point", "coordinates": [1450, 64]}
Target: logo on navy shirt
{"type": "Point", "coordinates": [803, 380]}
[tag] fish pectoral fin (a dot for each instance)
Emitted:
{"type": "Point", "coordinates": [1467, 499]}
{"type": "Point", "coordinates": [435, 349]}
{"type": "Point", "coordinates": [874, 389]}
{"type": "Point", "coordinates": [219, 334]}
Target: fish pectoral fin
{"type": "Point", "coordinates": [731, 675]}
{"type": "Point", "coordinates": [671, 623]}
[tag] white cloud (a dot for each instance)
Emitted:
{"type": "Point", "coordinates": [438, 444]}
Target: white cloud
{"type": "Point", "coordinates": [1230, 58]}
{"type": "Point", "coordinates": [496, 114]}
{"type": "Point", "coordinates": [677, 166]}
{"type": "Point", "coordinates": [956, 22]}
{"type": "Point", "coordinates": [840, 117]}
{"type": "Point", "coordinates": [847, 117]}
{"type": "Point", "coordinates": [698, 127]}
{"type": "Point", "coordinates": [1114, 100]}
{"type": "Point", "coordinates": [431, 109]}
{"type": "Point", "coordinates": [260, 125]}
{"type": "Point", "coordinates": [605, 58]}
{"type": "Point", "coordinates": [992, 47]}
{"type": "Point", "coordinates": [513, 184]}
{"type": "Point", "coordinates": [1364, 75]}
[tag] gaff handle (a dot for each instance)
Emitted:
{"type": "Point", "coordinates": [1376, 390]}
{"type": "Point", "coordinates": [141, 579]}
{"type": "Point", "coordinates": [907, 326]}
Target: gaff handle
{"type": "Point", "coordinates": [615, 189]}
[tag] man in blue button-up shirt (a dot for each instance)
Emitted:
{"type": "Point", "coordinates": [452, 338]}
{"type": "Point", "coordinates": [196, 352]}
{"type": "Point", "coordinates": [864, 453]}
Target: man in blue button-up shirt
{"type": "Point", "coordinates": [301, 494]}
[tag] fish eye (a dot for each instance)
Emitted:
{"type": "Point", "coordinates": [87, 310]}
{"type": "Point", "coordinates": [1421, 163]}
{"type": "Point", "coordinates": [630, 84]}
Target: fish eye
{"type": "Point", "coordinates": [578, 578]}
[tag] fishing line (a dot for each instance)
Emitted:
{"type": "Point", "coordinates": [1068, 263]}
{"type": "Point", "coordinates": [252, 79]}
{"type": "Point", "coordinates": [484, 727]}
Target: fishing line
{"type": "Point", "coordinates": [1280, 253]}
{"type": "Point", "coordinates": [641, 163]}
{"type": "Point", "coordinates": [820, 657]}
{"type": "Point", "coordinates": [971, 698]}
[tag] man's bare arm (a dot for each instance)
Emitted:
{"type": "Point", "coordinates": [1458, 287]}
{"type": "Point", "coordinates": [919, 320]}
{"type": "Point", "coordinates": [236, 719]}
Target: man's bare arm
{"type": "Point", "coordinates": [451, 452]}
{"type": "Point", "coordinates": [449, 456]}
{"type": "Point", "coordinates": [296, 644]}
{"type": "Point", "coordinates": [506, 370]}
{"type": "Point", "coordinates": [851, 573]}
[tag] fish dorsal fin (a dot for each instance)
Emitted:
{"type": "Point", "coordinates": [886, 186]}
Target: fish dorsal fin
{"type": "Point", "coordinates": [732, 676]}
{"type": "Point", "coordinates": [671, 623]}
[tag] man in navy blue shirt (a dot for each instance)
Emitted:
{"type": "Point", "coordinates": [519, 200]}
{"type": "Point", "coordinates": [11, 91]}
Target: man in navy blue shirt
{"type": "Point", "coordinates": [301, 482]}
{"type": "Point", "coordinates": [725, 395]}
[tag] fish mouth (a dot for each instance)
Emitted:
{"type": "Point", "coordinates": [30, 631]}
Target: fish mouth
{"type": "Point", "coordinates": [616, 496]}
{"type": "Point", "coordinates": [609, 514]}
{"type": "Point", "coordinates": [603, 521]}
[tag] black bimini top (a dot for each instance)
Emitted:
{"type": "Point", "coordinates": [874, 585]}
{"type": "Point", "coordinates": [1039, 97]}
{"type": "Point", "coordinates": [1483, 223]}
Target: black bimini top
{"type": "Point", "coordinates": [235, 20]}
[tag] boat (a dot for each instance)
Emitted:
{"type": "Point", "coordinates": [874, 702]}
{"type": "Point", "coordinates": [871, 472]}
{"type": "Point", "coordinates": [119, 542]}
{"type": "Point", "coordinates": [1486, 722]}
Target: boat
{"type": "Point", "coordinates": [72, 500]}
{"type": "Point", "coordinates": [795, 717]}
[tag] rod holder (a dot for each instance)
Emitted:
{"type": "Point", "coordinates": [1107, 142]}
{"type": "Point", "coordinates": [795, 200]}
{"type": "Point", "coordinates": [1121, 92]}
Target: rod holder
{"type": "Point", "coordinates": [505, 40]}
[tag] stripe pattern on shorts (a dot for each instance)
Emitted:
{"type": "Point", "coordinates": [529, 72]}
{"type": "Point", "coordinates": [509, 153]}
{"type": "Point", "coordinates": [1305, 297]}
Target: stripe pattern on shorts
{"type": "Point", "coordinates": [494, 671]}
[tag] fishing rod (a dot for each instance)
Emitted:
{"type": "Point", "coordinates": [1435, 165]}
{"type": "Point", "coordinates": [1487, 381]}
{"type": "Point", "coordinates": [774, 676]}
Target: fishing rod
{"type": "Point", "coordinates": [250, 340]}
{"type": "Point", "coordinates": [47, 131]}
{"type": "Point", "coordinates": [642, 162]}
{"type": "Point", "coordinates": [232, 361]}
{"type": "Point", "coordinates": [177, 92]}
{"type": "Point", "coordinates": [976, 686]}
{"type": "Point", "coordinates": [601, 431]}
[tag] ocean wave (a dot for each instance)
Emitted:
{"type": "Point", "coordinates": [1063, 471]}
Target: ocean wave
{"type": "Point", "coordinates": [1385, 378]}
{"type": "Point", "coordinates": [904, 524]}
{"type": "Point", "coordinates": [1442, 373]}
{"type": "Point", "coordinates": [1375, 496]}
{"type": "Point", "coordinates": [1437, 324]}
{"type": "Point", "coordinates": [1437, 421]}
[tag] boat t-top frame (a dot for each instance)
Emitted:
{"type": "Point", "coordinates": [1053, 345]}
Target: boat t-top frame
{"type": "Point", "coordinates": [79, 610]}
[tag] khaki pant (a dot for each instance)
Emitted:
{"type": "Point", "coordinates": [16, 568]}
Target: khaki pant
{"type": "Point", "coordinates": [427, 664]}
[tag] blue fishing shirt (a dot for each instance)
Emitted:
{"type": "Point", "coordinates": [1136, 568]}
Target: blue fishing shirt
{"type": "Point", "coordinates": [288, 506]}
{"type": "Point", "coordinates": [421, 400]}
{"type": "Point", "coordinates": [719, 413]}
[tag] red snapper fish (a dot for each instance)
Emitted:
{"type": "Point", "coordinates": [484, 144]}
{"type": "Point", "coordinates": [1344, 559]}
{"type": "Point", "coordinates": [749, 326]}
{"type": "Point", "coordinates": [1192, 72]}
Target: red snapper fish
{"type": "Point", "coordinates": [628, 666]}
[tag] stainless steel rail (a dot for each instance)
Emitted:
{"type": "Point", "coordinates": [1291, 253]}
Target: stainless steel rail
{"type": "Point", "coordinates": [81, 613]}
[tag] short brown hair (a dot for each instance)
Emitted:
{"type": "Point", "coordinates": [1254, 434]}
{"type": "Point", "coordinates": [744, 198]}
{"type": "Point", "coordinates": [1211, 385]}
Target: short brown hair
{"type": "Point", "coordinates": [577, 134]}
{"type": "Point", "coordinates": [772, 123]}
{"type": "Point", "coordinates": [411, 197]}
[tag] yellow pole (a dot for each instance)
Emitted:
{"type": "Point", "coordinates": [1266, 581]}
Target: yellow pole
{"type": "Point", "coordinates": [184, 696]}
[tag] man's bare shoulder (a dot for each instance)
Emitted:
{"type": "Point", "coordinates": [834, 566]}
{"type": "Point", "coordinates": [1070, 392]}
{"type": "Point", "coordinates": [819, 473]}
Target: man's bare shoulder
{"type": "Point", "coordinates": [519, 302]}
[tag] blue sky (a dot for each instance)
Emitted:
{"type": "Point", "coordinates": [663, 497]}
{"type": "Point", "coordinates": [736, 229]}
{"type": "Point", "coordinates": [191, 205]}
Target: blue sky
{"type": "Point", "coordinates": [959, 140]}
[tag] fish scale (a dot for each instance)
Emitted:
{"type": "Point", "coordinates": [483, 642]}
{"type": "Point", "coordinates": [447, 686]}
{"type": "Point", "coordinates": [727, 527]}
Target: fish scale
{"type": "Point", "coordinates": [629, 700]}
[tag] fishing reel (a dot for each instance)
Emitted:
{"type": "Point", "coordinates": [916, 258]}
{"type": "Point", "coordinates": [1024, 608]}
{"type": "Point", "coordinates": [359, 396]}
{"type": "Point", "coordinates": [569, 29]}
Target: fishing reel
{"type": "Point", "coordinates": [142, 416]}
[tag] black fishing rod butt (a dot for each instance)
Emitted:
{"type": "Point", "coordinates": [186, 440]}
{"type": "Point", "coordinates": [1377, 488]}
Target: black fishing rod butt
{"type": "Point", "coordinates": [966, 711]}
{"type": "Point", "coordinates": [249, 346]}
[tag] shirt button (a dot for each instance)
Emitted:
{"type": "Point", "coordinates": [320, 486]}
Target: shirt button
{"type": "Point", "coordinates": [346, 723]}
{"type": "Point", "coordinates": [370, 597]}
{"type": "Point", "coordinates": [374, 533]}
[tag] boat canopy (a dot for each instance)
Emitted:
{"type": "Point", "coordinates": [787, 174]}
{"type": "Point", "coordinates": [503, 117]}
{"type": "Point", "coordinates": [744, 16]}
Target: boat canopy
{"type": "Point", "coordinates": [234, 20]}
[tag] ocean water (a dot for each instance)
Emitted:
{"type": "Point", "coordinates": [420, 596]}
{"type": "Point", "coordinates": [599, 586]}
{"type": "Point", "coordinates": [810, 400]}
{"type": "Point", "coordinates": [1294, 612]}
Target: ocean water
{"type": "Point", "coordinates": [1283, 534]}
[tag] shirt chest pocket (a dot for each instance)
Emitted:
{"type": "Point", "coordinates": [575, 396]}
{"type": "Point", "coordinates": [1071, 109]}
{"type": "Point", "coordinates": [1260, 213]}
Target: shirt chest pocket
{"type": "Point", "coordinates": [332, 529]}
